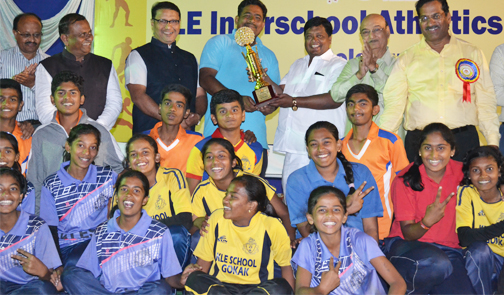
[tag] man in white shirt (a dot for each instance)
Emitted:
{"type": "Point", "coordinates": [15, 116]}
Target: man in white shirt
{"type": "Point", "coordinates": [306, 98]}
{"type": "Point", "coordinates": [19, 63]}
{"type": "Point", "coordinates": [103, 95]}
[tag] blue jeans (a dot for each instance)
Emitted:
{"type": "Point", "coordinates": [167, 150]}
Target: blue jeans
{"type": "Point", "coordinates": [77, 280]}
{"type": "Point", "coordinates": [429, 268]}
{"type": "Point", "coordinates": [181, 243]}
{"type": "Point", "coordinates": [70, 255]}
{"type": "Point", "coordinates": [483, 267]}
{"type": "Point", "coordinates": [32, 287]}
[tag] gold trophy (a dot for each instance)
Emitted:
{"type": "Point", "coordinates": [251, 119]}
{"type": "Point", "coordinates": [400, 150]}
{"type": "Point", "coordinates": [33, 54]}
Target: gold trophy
{"type": "Point", "coordinates": [263, 92]}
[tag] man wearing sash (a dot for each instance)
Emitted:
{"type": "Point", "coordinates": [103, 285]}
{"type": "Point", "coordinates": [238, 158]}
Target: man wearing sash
{"type": "Point", "coordinates": [441, 79]}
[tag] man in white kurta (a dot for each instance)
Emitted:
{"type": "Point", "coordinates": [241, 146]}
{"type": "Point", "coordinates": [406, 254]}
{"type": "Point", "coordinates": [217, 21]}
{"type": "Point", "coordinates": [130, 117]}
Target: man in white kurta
{"type": "Point", "coordinates": [306, 99]}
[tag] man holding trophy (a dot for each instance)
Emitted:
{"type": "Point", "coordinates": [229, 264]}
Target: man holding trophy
{"type": "Point", "coordinates": [220, 68]}
{"type": "Point", "coordinates": [304, 96]}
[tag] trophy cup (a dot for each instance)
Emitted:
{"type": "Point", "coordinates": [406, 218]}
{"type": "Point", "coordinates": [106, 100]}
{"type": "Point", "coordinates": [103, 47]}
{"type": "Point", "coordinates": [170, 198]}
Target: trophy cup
{"type": "Point", "coordinates": [263, 92]}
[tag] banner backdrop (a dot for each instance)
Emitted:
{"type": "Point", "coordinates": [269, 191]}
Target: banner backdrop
{"type": "Point", "coordinates": [122, 25]}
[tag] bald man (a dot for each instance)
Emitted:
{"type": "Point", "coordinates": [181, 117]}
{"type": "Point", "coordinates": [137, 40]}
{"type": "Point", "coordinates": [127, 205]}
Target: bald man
{"type": "Point", "coordinates": [373, 67]}
{"type": "Point", "coordinates": [19, 63]}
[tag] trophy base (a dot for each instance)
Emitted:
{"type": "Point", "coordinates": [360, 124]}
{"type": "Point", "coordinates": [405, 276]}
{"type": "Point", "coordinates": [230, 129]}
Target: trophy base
{"type": "Point", "coordinates": [264, 95]}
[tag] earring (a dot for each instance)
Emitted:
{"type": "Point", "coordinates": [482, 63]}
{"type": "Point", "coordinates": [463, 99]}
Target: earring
{"type": "Point", "coordinates": [249, 211]}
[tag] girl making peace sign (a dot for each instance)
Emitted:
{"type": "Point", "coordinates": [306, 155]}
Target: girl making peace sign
{"type": "Point", "coordinates": [423, 245]}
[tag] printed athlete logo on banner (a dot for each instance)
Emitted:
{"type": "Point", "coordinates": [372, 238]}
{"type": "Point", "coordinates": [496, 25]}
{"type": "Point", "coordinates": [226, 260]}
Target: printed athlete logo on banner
{"type": "Point", "coordinates": [467, 71]}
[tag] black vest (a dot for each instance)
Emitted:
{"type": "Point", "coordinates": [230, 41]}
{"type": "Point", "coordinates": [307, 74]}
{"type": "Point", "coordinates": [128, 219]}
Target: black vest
{"type": "Point", "coordinates": [164, 66]}
{"type": "Point", "coordinates": [94, 69]}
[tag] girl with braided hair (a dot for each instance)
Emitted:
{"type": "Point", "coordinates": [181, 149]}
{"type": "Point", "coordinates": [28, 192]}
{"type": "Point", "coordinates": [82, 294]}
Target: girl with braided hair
{"type": "Point", "coordinates": [328, 166]}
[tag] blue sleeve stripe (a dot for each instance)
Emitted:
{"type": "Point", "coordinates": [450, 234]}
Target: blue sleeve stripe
{"type": "Point", "coordinates": [178, 175]}
{"type": "Point", "coordinates": [197, 189]}
{"type": "Point", "coordinates": [388, 135]}
{"type": "Point", "coordinates": [460, 195]}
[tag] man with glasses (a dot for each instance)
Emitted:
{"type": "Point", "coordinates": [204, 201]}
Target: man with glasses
{"type": "Point", "coordinates": [441, 79]}
{"type": "Point", "coordinates": [154, 65]}
{"type": "Point", "coordinates": [19, 63]}
{"type": "Point", "coordinates": [373, 67]}
{"type": "Point", "coordinates": [103, 96]}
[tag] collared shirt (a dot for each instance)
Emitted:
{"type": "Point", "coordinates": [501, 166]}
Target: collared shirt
{"type": "Point", "coordinates": [302, 181]}
{"type": "Point", "coordinates": [169, 196]}
{"type": "Point", "coordinates": [24, 146]}
{"type": "Point", "coordinates": [244, 254]}
{"type": "Point", "coordinates": [357, 274]}
{"type": "Point", "coordinates": [425, 88]}
{"type": "Point", "coordinates": [497, 74]}
{"type": "Point", "coordinates": [307, 80]}
{"type": "Point", "coordinates": [13, 62]}
{"type": "Point", "coordinates": [384, 154]}
{"type": "Point", "coordinates": [207, 197]}
{"type": "Point", "coordinates": [48, 144]}
{"type": "Point", "coordinates": [125, 261]}
{"type": "Point", "coordinates": [155, 65]}
{"type": "Point", "coordinates": [249, 154]}
{"type": "Point", "coordinates": [474, 212]}
{"type": "Point", "coordinates": [347, 79]}
{"type": "Point", "coordinates": [101, 86]}
{"type": "Point", "coordinates": [224, 55]}
{"type": "Point", "coordinates": [77, 207]}
{"type": "Point", "coordinates": [411, 205]}
{"type": "Point", "coordinates": [31, 234]}
{"type": "Point", "coordinates": [176, 154]}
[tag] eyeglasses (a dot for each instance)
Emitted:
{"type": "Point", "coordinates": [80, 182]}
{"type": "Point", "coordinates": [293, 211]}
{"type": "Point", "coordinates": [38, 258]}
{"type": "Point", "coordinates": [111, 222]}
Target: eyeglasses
{"type": "Point", "coordinates": [27, 35]}
{"type": "Point", "coordinates": [366, 32]}
{"type": "Point", "coordinates": [164, 22]}
{"type": "Point", "coordinates": [435, 17]}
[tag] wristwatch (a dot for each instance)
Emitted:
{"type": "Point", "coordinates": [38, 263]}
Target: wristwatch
{"type": "Point", "coordinates": [294, 104]}
{"type": "Point", "coordinates": [375, 70]}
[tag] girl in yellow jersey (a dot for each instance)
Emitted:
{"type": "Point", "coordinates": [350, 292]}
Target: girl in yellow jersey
{"type": "Point", "coordinates": [480, 217]}
{"type": "Point", "coordinates": [222, 166]}
{"type": "Point", "coordinates": [236, 255]}
{"type": "Point", "coordinates": [169, 198]}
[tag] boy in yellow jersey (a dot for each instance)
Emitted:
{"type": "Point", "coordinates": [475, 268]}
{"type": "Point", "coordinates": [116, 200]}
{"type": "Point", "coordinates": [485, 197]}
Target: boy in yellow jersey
{"type": "Point", "coordinates": [174, 142]}
{"type": "Point", "coordinates": [381, 151]}
{"type": "Point", "coordinates": [228, 112]}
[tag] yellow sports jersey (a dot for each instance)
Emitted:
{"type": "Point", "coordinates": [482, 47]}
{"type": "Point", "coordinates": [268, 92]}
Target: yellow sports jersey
{"type": "Point", "coordinates": [169, 196]}
{"type": "Point", "coordinates": [207, 197]}
{"type": "Point", "coordinates": [244, 255]}
{"type": "Point", "coordinates": [473, 212]}
{"type": "Point", "coordinates": [249, 154]}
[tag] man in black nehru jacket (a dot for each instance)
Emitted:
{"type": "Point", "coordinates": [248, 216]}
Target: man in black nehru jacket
{"type": "Point", "coordinates": [101, 88]}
